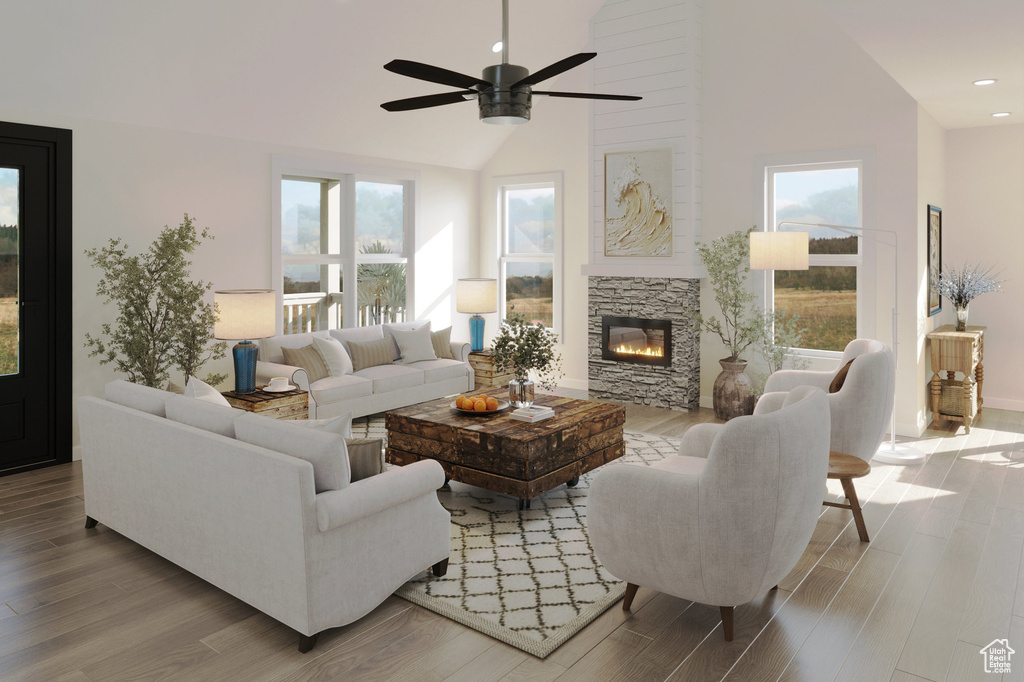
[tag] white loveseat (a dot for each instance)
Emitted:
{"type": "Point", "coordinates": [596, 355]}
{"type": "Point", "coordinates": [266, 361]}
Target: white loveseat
{"type": "Point", "coordinates": [248, 519]}
{"type": "Point", "coordinates": [373, 389]}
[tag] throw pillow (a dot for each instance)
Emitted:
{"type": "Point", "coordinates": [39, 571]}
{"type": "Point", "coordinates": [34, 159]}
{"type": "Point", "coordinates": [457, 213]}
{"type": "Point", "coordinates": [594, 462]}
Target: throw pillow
{"type": "Point", "coordinates": [327, 452]}
{"type": "Point", "coordinates": [200, 390]}
{"type": "Point", "coordinates": [334, 356]}
{"type": "Point", "coordinates": [840, 378]}
{"type": "Point", "coordinates": [415, 345]}
{"type": "Point", "coordinates": [390, 328]}
{"type": "Point", "coordinates": [340, 426]}
{"type": "Point", "coordinates": [308, 359]}
{"type": "Point", "coordinates": [370, 353]}
{"type": "Point", "coordinates": [175, 388]}
{"type": "Point", "coordinates": [365, 455]}
{"type": "Point", "coordinates": [442, 342]}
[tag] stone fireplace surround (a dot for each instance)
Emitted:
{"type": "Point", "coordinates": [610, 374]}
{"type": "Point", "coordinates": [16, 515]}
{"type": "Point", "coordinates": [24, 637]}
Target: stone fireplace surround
{"type": "Point", "coordinates": [660, 298]}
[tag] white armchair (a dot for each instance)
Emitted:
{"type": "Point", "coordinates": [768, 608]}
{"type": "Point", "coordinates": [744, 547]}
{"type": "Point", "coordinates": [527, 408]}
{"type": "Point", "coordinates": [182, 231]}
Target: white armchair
{"type": "Point", "coordinates": [727, 519]}
{"type": "Point", "coordinates": [861, 409]}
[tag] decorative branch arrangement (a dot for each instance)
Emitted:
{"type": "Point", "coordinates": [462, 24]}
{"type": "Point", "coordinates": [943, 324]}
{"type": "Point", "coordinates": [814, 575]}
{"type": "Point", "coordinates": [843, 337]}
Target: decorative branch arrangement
{"type": "Point", "coordinates": [727, 260]}
{"type": "Point", "coordinates": [520, 347]}
{"type": "Point", "coordinates": [162, 319]}
{"type": "Point", "coordinates": [967, 283]}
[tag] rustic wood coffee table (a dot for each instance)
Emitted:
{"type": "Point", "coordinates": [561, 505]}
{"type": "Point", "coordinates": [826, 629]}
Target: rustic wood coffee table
{"type": "Point", "coordinates": [507, 456]}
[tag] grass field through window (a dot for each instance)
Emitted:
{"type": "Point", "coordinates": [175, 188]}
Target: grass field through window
{"type": "Point", "coordinates": [829, 318]}
{"type": "Point", "coordinates": [8, 335]}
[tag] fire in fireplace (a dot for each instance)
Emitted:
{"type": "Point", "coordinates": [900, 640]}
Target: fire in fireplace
{"type": "Point", "coordinates": [634, 339]}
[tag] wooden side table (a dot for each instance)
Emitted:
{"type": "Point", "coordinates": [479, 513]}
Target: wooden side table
{"type": "Point", "coordinates": [952, 351]}
{"type": "Point", "coordinates": [846, 468]}
{"type": "Point", "coordinates": [283, 405]}
{"type": "Point", "coordinates": [486, 376]}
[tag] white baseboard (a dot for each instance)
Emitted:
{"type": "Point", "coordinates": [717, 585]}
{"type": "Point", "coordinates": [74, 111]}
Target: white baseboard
{"type": "Point", "coordinates": [1004, 404]}
{"type": "Point", "coordinates": [76, 453]}
{"type": "Point", "coordinates": [707, 401]}
{"type": "Point", "coordinates": [575, 384]}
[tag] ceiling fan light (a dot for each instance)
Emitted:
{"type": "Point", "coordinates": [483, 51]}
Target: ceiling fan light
{"type": "Point", "coordinates": [504, 120]}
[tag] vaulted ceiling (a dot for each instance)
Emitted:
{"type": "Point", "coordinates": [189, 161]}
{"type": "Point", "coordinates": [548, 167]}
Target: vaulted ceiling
{"type": "Point", "coordinates": [307, 73]}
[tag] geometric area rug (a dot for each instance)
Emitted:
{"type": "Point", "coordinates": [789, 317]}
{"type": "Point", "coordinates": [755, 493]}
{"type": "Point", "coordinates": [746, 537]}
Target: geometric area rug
{"type": "Point", "coordinates": [527, 578]}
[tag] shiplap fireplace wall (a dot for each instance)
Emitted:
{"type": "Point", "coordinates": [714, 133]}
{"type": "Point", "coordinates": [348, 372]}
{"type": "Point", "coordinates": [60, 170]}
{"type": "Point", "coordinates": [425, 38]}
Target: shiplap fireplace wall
{"type": "Point", "coordinates": [649, 48]}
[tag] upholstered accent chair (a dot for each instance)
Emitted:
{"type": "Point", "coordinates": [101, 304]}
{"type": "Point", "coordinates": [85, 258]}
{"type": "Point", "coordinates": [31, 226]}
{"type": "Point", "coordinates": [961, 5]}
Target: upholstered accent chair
{"type": "Point", "coordinates": [860, 409]}
{"type": "Point", "coordinates": [725, 520]}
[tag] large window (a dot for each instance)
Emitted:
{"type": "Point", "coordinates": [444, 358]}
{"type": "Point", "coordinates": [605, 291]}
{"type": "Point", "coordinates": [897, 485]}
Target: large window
{"type": "Point", "coordinates": [825, 295]}
{"type": "Point", "coordinates": [529, 218]}
{"type": "Point", "coordinates": [344, 245]}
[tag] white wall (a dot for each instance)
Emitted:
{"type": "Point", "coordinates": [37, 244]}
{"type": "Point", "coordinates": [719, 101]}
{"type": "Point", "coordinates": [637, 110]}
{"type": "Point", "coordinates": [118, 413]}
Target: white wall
{"type": "Point", "coordinates": [781, 78]}
{"type": "Point", "coordinates": [556, 139]}
{"type": "Point", "coordinates": [931, 189]}
{"type": "Point", "coordinates": [983, 223]}
{"type": "Point", "coordinates": [129, 181]}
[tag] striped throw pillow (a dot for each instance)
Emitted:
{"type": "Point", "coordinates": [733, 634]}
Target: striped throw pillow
{"type": "Point", "coordinates": [442, 340]}
{"type": "Point", "coordinates": [309, 359]}
{"type": "Point", "coordinates": [371, 353]}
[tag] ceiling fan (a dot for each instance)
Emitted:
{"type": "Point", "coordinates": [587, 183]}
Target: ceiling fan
{"type": "Point", "coordinates": [504, 94]}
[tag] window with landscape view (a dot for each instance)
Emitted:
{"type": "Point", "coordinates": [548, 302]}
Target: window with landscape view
{"type": "Point", "coordinates": [331, 228]}
{"type": "Point", "coordinates": [9, 217]}
{"type": "Point", "coordinates": [529, 263]}
{"type": "Point", "coordinates": [825, 295]}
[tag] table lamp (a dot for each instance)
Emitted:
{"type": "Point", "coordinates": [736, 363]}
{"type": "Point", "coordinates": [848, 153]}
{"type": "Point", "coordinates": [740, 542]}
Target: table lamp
{"type": "Point", "coordinates": [476, 296]}
{"type": "Point", "coordinates": [245, 314]}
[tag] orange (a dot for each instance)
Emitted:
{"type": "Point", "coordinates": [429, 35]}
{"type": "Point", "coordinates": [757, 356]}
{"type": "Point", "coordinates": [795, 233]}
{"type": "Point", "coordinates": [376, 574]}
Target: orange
{"type": "Point", "coordinates": [460, 402]}
{"type": "Point", "coordinates": [482, 396]}
{"type": "Point", "coordinates": [492, 403]}
{"type": "Point", "coordinates": [479, 405]}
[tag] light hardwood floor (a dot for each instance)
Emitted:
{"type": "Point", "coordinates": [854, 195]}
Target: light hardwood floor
{"type": "Point", "coordinates": [941, 578]}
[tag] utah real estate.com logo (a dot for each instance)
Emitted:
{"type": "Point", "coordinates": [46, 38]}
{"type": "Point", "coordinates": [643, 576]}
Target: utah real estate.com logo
{"type": "Point", "coordinates": [997, 656]}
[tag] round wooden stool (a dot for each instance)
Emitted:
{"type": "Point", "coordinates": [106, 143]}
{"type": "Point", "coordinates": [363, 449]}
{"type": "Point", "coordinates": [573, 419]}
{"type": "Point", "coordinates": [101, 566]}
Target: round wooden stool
{"type": "Point", "coordinates": [846, 468]}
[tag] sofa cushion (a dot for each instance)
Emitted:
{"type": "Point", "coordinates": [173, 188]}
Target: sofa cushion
{"type": "Point", "coordinates": [336, 389]}
{"type": "Point", "coordinates": [442, 342]}
{"type": "Point", "coordinates": [325, 451]}
{"type": "Point", "coordinates": [401, 326]}
{"type": "Point", "coordinates": [200, 390]}
{"type": "Point", "coordinates": [341, 426]}
{"type": "Point", "coordinates": [414, 344]}
{"type": "Point", "coordinates": [203, 415]}
{"type": "Point", "coordinates": [335, 356]}
{"type": "Point", "coordinates": [440, 370]}
{"type": "Point", "coordinates": [391, 377]}
{"type": "Point", "coordinates": [365, 455]}
{"type": "Point", "coordinates": [309, 359]}
{"type": "Point", "coordinates": [137, 396]}
{"type": "Point", "coordinates": [371, 333]}
{"type": "Point", "coordinates": [270, 348]}
{"type": "Point", "coordinates": [370, 353]}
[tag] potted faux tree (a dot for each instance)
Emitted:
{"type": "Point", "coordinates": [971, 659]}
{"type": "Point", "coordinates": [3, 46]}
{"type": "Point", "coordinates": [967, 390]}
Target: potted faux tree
{"type": "Point", "coordinates": [727, 260]}
{"type": "Point", "coordinates": [162, 320]}
{"type": "Point", "coordinates": [521, 347]}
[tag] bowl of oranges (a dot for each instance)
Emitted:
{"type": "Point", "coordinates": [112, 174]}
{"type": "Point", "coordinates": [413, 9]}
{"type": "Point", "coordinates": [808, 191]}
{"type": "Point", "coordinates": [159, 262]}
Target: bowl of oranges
{"type": "Point", "coordinates": [479, 404]}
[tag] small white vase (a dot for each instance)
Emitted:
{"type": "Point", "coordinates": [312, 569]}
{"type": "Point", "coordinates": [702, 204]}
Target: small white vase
{"type": "Point", "coordinates": [961, 318]}
{"type": "Point", "coordinates": [521, 393]}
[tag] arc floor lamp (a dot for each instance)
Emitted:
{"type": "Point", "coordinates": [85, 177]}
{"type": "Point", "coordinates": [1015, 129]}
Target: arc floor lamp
{"type": "Point", "coordinates": [780, 250]}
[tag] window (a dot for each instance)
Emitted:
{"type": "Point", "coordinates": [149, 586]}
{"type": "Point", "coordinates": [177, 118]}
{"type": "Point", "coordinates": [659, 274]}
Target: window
{"type": "Point", "coordinates": [529, 263]}
{"type": "Point", "coordinates": [825, 295]}
{"type": "Point", "coordinates": [343, 245]}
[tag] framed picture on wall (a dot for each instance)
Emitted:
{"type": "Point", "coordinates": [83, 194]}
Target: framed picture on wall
{"type": "Point", "coordinates": [934, 258]}
{"type": "Point", "coordinates": [638, 203]}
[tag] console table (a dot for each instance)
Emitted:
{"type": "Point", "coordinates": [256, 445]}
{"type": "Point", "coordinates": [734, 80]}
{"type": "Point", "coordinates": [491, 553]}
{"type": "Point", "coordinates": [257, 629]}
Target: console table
{"type": "Point", "coordinates": [952, 351]}
{"type": "Point", "coordinates": [280, 405]}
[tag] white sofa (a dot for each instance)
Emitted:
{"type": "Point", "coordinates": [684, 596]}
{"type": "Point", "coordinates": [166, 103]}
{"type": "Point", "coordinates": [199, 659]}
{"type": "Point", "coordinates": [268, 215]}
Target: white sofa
{"type": "Point", "coordinates": [248, 519]}
{"type": "Point", "coordinates": [370, 390]}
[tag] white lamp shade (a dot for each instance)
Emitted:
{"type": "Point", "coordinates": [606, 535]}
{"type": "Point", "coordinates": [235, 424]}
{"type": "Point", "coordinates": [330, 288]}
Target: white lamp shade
{"type": "Point", "coordinates": [778, 251]}
{"type": "Point", "coordinates": [245, 314]}
{"type": "Point", "coordinates": [476, 296]}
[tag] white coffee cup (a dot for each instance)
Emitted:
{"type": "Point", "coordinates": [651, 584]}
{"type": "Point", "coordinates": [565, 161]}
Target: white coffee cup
{"type": "Point", "coordinates": [278, 383]}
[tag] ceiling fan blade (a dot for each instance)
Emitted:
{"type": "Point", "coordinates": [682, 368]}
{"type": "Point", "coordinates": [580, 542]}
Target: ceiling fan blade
{"type": "Point", "coordinates": [434, 74]}
{"type": "Point", "coordinates": [588, 95]}
{"type": "Point", "coordinates": [428, 101]}
{"type": "Point", "coordinates": [556, 68]}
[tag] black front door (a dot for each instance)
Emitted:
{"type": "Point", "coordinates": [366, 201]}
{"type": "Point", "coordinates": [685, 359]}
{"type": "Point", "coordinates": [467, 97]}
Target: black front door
{"type": "Point", "coordinates": [35, 200]}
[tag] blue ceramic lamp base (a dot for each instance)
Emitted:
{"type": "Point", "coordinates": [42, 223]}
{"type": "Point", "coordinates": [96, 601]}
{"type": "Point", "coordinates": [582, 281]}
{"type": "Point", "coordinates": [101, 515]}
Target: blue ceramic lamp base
{"type": "Point", "coordinates": [244, 354]}
{"type": "Point", "coordinates": [476, 333]}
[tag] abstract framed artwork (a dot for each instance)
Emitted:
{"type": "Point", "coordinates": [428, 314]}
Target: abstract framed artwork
{"type": "Point", "coordinates": [638, 203]}
{"type": "Point", "coordinates": [934, 258]}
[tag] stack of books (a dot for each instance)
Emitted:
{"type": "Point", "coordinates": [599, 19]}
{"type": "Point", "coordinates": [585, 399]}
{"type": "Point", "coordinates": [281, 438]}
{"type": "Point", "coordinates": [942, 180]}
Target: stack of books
{"type": "Point", "coordinates": [531, 414]}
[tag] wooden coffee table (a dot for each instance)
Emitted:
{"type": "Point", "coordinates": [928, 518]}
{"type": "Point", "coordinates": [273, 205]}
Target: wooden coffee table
{"type": "Point", "coordinates": [508, 456]}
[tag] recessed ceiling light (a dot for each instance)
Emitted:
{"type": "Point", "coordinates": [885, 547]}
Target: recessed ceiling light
{"type": "Point", "coordinates": [985, 81]}
{"type": "Point", "coordinates": [1000, 114]}
{"type": "Point", "coordinates": [496, 47]}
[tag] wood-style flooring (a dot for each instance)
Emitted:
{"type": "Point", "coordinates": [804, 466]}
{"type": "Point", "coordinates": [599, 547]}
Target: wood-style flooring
{"type": "Point", "coordinates": [941, 577]}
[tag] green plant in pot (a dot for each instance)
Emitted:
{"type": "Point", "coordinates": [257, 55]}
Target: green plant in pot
{"type": "Point", "coordinates": [521, 347]}
{"type": "Point", "coordinates": [162, 320]}
{"type": "Point", "coordinates": [741, 325]}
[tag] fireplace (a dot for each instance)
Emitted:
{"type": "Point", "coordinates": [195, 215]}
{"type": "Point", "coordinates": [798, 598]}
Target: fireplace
{"type": "Point", "coordinates": [635, 339]}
